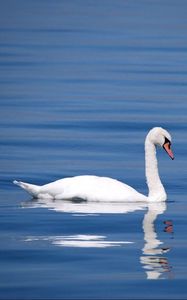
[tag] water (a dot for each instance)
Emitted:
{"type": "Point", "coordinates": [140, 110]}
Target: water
{"type": "Point", "coordinates": [81, 84]}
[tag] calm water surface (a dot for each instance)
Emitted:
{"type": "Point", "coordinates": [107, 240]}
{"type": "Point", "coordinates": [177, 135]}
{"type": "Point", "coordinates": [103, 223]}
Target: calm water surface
{"type": "Point", "coordinates": [81, 83]}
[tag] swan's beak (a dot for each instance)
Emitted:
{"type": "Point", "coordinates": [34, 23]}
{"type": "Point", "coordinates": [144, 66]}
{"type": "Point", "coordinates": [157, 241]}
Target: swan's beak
{"type": "Point", "coordinates": [167, 147]}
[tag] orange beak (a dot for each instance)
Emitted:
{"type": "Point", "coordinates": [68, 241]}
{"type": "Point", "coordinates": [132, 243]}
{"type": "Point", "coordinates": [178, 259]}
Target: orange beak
{"type": "Point", "coordinates": [167, 147]}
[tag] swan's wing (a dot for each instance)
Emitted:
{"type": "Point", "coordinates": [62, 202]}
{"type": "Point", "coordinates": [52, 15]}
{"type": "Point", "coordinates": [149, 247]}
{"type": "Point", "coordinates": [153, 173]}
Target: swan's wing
{"type": "Point", "coordinates": [92, 188]}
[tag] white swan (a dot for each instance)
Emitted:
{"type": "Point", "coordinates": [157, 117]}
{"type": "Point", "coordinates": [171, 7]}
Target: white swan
{"type": "Point", "coordinates": [94, 188]}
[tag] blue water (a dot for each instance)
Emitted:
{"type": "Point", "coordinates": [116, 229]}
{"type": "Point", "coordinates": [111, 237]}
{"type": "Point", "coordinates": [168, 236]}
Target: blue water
{"type": "Point", "coordinates": [81, 83]}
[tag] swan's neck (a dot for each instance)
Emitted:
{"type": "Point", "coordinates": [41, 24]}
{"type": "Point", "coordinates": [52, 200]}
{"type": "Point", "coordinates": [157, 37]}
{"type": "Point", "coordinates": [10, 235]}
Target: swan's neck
{"type": "Point", "coordinates": [156, 189]}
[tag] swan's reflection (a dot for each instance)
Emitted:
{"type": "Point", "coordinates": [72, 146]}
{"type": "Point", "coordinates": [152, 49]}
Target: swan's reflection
{"type": "Point", "coordinates": [83, 208]}
{"type": "Point", "coordinates": [77, 206]}
{"type": "Point", "coordinates": [79, 241]}
{"type": "Point", "coordinates": [152, 259]}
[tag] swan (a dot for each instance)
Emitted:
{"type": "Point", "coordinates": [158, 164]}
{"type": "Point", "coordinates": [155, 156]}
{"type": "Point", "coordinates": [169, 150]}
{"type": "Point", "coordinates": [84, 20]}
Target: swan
{"type": "Point", "coordinates": [105, 189]}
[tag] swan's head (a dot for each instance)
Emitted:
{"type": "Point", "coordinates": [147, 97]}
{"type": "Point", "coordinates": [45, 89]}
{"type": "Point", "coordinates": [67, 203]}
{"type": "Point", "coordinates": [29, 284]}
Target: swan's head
{"type": "Point", "coordinates": [161, 137]}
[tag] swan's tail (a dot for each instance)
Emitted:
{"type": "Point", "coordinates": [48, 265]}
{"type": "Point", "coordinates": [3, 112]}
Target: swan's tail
{"type": "Point", "coordinates": [32, 189]}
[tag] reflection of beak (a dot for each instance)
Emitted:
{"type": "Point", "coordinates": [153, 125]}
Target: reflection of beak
{"type": "Point", "coordinates": [166, 146]}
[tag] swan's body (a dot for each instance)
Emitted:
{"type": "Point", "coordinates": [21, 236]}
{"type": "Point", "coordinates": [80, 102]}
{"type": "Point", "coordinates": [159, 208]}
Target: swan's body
{"type": "Point", "coordinates": [94, 188]}
{"type": "Point", "coordinates": [87, 187]}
